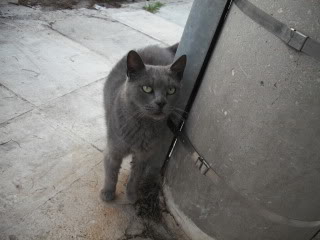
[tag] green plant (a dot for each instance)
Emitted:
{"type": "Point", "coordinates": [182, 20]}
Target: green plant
{"type": "Point", "coordinates": [153, 7]}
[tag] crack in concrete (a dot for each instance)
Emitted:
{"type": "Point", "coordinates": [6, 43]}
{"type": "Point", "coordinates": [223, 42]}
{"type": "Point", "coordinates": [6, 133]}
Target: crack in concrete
{"type": "Point", "coordinates": [11, 140]}
{"type": "Point", "coordinates": [17, 95]}
{"type": "Point", "coordinates": [50, 25]}
{"type": "Point", "coordinates": [117, 21]}
{"type": "Point", "coordinates": [166, 44]}
{"type": "Point", "coordinates": [11, 119]}
{"type": "Point", "coordinates": [32, 71]}
{"type": "Point", "coordinates": [74, 90]}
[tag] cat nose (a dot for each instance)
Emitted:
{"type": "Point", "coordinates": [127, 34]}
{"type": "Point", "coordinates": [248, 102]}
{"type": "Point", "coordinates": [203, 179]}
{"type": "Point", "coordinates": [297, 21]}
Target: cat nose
{"type": "Point", "coordinates": [161, 103]}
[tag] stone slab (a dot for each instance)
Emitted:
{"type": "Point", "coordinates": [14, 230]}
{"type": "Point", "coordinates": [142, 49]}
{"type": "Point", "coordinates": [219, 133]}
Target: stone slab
{"type": "Point", "coordinates": [11, 105]}
{"type": "Point", "coordinates": [102, 35]}
{"type": "Point", "coordinates": [176, 12]}
{"type": "Point", "coordinates": [40, 64]}
{"type": "Point", "coordinates": [38, 160]}
{"type": "Point", "coordinates": [81, 112]}
{"type": "Point", "coordinates": [164, 31]}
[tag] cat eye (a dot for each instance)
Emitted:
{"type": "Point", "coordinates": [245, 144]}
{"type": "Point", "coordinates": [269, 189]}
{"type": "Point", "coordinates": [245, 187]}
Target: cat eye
{"type": "Point", "coordinates": [147, 89]}
{"type": "Point", "coordinates": [171, 90]}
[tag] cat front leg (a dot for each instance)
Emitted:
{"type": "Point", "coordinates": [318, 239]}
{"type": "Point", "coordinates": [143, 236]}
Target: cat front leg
{"type": "Point", "coordinates": [137, 169]}
{"type": "Point", "coordinates": [112, 164]}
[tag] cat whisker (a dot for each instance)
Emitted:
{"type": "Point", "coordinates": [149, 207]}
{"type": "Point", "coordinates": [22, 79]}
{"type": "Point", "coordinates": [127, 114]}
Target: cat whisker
{"type": "Point", "coordinates": [183, 115]}
{"type": "Point", "coordinates": [180, 110]}
{"type": "Point", "coordinates": [179, 115]}
{"type": "Point", "coordinates": [171, 108]}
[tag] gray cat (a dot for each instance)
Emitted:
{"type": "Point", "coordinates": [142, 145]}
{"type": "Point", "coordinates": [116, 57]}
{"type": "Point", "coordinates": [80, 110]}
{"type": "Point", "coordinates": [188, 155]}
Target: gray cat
{"type": "Point", "coordinates": [139, 95]}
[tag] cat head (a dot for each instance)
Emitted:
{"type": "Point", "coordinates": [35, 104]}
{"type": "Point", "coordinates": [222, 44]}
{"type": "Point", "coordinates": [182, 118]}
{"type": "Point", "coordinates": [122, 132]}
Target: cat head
{"type": "Point", "coordinates": [153, 89]}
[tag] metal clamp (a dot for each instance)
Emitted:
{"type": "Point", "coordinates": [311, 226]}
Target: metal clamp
{"type": "Point", "coordinates": [202, 165]}
{"type": "Point", "coordinates": [297, 39]}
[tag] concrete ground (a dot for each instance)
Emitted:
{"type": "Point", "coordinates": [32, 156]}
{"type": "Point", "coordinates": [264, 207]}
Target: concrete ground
{"type": "Point", "coordinates": [53, 65]}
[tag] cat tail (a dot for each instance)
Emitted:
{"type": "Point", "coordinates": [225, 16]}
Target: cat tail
{"type": "Point", "coordinates": [173, 48]}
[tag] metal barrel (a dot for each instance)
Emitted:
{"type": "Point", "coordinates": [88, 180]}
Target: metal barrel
{"type": "Point", "coordinates": [256, 120]}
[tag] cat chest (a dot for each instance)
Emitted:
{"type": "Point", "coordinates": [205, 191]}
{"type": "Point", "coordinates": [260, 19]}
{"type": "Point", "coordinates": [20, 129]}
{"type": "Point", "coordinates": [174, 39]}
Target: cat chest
{"type": "Point", "coordinates": [141, 138]}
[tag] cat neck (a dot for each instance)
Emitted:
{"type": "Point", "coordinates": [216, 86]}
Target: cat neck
{"type": "Point", "coordinates": [137, 131]}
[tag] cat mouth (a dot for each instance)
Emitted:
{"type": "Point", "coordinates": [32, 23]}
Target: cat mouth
{"type": "Point", "coordinates": [156, 114]}
{"type": "Point", "coordinates": [159, 115]}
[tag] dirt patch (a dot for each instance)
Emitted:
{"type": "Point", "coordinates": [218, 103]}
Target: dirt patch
{"type": "Point", "coordinates": [149, 205]}
{"type": "Point", "coordinates": [74, 4]}
{"type": "Point", "coordinates": [150, 208]}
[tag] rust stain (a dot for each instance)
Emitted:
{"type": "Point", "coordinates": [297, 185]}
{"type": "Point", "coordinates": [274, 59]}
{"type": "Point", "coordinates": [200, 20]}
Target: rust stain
{"type": "Point", "coordinates": [106, 225]}
{"type": "Point", "coordinates": [109, 221]}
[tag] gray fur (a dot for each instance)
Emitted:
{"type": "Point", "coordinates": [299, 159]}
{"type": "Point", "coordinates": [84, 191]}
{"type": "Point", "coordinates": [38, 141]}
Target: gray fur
{"type": "Point", "coordinates": [136, 120]}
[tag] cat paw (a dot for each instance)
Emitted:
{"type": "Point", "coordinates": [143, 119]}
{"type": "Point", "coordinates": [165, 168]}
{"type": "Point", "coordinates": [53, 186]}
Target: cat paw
{"type": "Point", "coordinates": [107, 195]}
{"type": "Point", "coordinates": [132, 197]}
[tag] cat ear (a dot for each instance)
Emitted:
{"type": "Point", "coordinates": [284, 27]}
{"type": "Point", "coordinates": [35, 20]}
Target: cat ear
{"type": "Point", "coordinates": [179, 65]}
{"type": "Point", "coordinates": [134, 62]}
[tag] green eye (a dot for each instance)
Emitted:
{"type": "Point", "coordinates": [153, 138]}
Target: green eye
{"type": "Point", "coordinates": [147, 89]}
{"type": "Point", "coordinates": [171, 90]}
